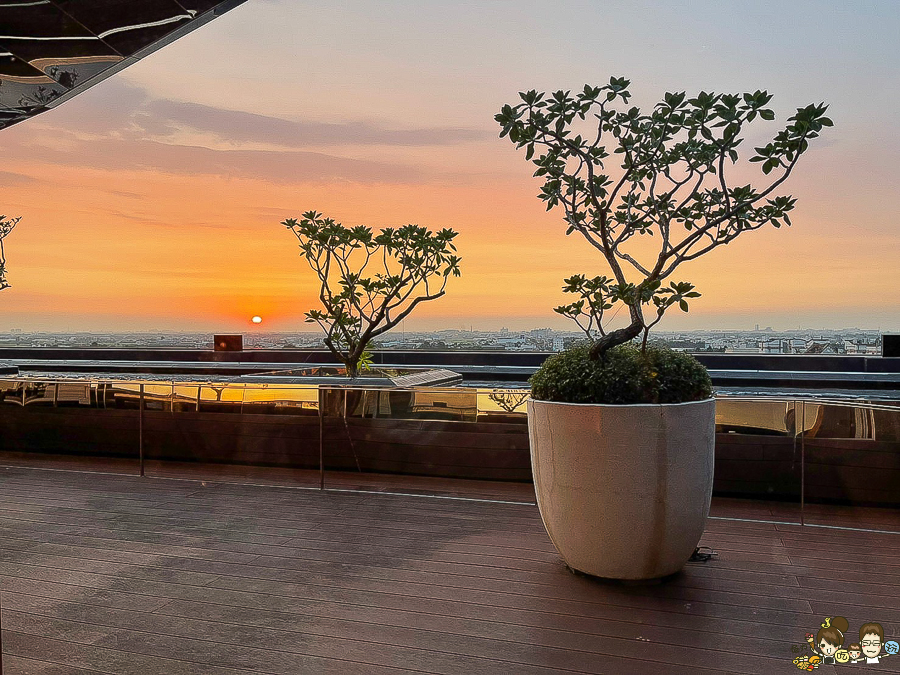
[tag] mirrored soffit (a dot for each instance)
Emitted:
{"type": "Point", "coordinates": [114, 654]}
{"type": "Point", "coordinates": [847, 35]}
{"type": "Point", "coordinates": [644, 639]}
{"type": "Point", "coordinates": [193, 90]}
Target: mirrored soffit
{"type": "Point", "coordinates": [51, 50]}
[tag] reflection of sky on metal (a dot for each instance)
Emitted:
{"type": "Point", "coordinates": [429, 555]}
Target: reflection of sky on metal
{"type": "Point", "coordinates": [51, 50]}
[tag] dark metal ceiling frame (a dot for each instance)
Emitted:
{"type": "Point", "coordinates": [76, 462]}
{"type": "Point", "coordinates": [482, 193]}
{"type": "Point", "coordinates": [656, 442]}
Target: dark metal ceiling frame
{"type": "Point", "coordinates": [52, 50]}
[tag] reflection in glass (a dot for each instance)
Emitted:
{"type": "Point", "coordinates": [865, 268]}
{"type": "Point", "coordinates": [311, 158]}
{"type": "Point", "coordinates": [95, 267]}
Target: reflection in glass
{"type": "Point", "coordinates": [278, 399]}
{"type": "Point", "coordinates": [445, 404]}
{"type": "Point", "coordinates": [757, 450]}
{"type": "Point", "coordinates": [185, 398]}
{"type": "Point", "coordinates": [118, 395]}
{"type": "Point", "coordinates": [220, 398]}
{"type": "Point", "coordinates": [40, 393]}
{"type": "Point", "coordinates": [841, 421]}
{"type": "Point", "coordinates": [71, 394]}
{"type": "Point", "coordinates": [509, 400]}
{"type": "Point", "coordinates": [886, 423]}
{"type": "Point", "coordinates": [11, 393]}
{"type": "Point", "coordinates": [849, 459]}
{"type": "Point", "coordinates": [158, 397]}
{"type": "Point", "coordinates": [776, 417]}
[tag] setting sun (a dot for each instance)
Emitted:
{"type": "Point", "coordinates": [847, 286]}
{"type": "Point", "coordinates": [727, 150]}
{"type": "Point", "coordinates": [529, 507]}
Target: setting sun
{"type": "Point", "coordinates": [256, 319]}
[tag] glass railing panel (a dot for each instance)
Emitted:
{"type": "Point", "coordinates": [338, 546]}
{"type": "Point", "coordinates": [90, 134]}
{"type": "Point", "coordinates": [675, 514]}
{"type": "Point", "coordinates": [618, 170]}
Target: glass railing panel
{"type": "Point", "coordinates": [852, 464]}
{"type": "Point", "coordinates": [69, 424]}
{"type": "Point", "coordinates": [437, 404]}
{"type": "Point", "coordinates": [758, 470]}
{"type": "Point", "coordinates": [422, 441]}
{"type": "Point", "coordinates": [236, 432]}
{"type": "Point", "coordinates": [157, 397]}
{"type": "Point", "coordinates": [280, 399]}
{"type": "Point", "coordinates": [118, 395]}
{"type": "Point", "coordinates": [185, 397]}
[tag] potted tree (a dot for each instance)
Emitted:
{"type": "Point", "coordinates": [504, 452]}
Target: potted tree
{"type": "Point", "coordinates": [407, 266]}
{"type": "Point", "coordinates": [622, 435]}
{"type": "Point", "coordinates": [6, 226]}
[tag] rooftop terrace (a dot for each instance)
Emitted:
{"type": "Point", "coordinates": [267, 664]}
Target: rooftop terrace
{"type": "Point", "coordinates": [103, 573]}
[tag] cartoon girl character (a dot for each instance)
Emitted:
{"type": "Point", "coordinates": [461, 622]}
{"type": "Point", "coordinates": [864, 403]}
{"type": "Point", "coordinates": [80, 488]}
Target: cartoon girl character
{"type": "Point", "coordinates": [855, 653]}
{"type": "Point", "coordinates": [830, 638]}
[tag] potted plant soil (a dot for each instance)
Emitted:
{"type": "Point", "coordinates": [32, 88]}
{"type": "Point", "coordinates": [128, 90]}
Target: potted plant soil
{"type": "Point", "coordinates": [622, 433]}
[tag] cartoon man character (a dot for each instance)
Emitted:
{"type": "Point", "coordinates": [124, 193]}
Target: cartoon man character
{"type": "Point", "coordinates": [871, 639]}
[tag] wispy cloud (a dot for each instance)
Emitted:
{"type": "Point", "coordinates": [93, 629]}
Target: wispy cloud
{"type": "Point", "coordinates": [111, 154]}
{"type": "Point", "coordinates": [119, 108]}
{"type": "Point", "coordinates": [123, 128]}
{"type": "Point", "coordinates": [236, 126]}
{"type": "Point", "coordinates": [10, 179]}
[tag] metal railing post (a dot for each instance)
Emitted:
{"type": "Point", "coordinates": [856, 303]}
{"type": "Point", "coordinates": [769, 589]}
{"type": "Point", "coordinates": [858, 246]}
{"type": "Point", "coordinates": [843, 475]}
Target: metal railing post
{"type": "Point", "coordinates": [802, 461]}
{"type": "Point", "coordinates": [321, 438]}
{"type": "Point", "coordinates": [141, 429]}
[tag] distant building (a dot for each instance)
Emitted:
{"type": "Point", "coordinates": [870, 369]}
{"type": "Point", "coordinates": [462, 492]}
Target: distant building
{"type": "Point", "coordinates": [774, 346]}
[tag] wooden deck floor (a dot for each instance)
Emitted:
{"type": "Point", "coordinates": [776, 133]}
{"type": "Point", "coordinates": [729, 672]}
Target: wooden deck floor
{"type": "Point", "coordinates": [114, 574]}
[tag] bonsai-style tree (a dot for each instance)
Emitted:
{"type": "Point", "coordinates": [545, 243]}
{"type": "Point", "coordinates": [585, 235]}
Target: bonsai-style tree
{"type": "Point", "coordinates": [6, 226]}
{"type": "Point", "coordinates": [409, 265]}
{"type": "Point", "coordinates": [623, 176]}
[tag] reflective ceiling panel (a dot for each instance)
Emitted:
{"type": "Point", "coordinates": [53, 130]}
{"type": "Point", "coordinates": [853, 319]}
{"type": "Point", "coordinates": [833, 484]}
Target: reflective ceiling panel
{"type": "Point", "coordinates": [51, 50]}
{"type": "Point", "coordinates": [116, 23]}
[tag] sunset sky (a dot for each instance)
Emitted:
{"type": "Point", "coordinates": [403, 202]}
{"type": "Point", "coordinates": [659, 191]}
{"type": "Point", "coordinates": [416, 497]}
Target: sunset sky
{"type": "Point", "coordinates": [154, 200]}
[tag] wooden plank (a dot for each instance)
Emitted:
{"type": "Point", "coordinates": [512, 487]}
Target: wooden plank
{"type": "Point", "coordinates": [101, 572]}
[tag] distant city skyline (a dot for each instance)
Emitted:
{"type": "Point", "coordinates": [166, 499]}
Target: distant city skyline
{"type": "Point", "coordinates": [852, 341]}
{"type": "Point", "coordinates": [153, 200]}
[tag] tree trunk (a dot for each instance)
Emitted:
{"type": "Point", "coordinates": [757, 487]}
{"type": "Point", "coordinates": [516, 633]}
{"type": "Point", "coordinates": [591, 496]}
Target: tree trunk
{"type": "Point", "coordinates": [617, 337]}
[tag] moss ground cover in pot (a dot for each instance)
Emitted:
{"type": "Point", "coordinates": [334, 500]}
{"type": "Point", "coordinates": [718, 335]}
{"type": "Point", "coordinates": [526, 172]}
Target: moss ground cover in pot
{"type": "Point", "coordinates": [625, 375]}
{"type": "Point", "coordinates": [622, 438]}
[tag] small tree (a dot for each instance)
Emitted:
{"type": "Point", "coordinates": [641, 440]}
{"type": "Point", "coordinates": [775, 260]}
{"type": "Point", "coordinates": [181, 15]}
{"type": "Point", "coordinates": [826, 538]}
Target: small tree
{"type": "Point", "coordinates": [6, 226]}
{"type": "Point", "coordinates": [410, 265]}
{"type": "Point", "coordinates": [670, 184]}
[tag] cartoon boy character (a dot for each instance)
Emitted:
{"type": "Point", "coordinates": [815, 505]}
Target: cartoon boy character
{"type": "Point", "coordinates": [831, 636]}
{"type": "Point", "coordinates": [871, 639]}
{"type": "Point", "coordinates": [855, 653]}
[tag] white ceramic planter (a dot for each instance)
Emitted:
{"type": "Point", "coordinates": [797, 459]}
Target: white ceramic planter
{"type": "Point", "coordinates": [623, 490]}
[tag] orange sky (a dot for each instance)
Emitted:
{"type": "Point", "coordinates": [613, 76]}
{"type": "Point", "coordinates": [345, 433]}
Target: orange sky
{"type": "Point", "coordinates": [154, 199]}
